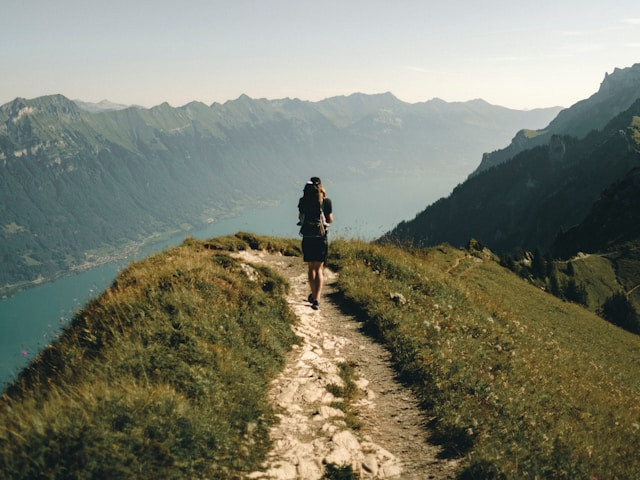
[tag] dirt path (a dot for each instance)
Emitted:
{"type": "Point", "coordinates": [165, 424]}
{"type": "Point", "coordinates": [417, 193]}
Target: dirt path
{"type": "Point", "coordinates": [392, 441]}
{"type": "Point", "coordinates": [632, 290]}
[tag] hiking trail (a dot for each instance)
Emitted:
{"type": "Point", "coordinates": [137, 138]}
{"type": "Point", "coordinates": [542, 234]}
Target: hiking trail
{"type": "Point", "coordinates": [392, 441]}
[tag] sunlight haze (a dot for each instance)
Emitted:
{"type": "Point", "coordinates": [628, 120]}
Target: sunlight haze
{"type": "Point", "coordinates": [517, 55]}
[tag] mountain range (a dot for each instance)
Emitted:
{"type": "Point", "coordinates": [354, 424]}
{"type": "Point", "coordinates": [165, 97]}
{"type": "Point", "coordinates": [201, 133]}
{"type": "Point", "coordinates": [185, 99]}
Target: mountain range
{"type": "Point", "coordinates": [617, 92]}
{"type": "Point", "coordinates": [102, 106]}
{"type": "Point", "coordinates": [570, 189]}
{"type": "Point", "coordinates": [527, 201]}
{"type": "Point", "coordinates": [544, 189]}
{"type": "Point", "coordinates": [80, 182]}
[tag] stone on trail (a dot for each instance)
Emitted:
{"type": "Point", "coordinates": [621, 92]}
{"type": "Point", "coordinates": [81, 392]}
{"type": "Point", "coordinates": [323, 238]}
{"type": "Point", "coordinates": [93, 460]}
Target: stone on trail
{"type": "Point", "coordinates": [370, 464]}
{"type": "Point", "coordinates": [338, 456]}
{"type": "Point", "coordinates": [309, 469]}
{"type": "Point", "coordinates": [347, 440]}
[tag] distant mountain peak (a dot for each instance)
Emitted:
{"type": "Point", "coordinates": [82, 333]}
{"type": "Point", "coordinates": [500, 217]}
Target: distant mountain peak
{"type": "Point", "coordinates": [101, 106]}
{"type": "Point", "coordinates": [620, 78]}
{"type": "Point", "coordinates": [384, 95]}
{"type": "Point", "coordinates": [618, 91]}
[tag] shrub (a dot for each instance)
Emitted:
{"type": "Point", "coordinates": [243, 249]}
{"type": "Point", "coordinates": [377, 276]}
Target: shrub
{"type": "Point", "coordinates": [618, 310]}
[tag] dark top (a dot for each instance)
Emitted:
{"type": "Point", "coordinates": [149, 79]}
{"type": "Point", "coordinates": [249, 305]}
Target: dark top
{"type": "Point", "coordinates": [327, 208]}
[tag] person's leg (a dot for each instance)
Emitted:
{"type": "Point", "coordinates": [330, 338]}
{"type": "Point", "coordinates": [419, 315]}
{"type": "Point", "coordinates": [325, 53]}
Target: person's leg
{"type": "Point", "coordinates": [311, 275]}
{"type": "Point", "coordinates": [319, 279]}
{"type": "Point", "coordinates": [316, 279]}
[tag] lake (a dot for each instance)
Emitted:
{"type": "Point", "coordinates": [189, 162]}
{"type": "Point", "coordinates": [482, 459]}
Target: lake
{"type": "Point", "coordinates": [33, 318]}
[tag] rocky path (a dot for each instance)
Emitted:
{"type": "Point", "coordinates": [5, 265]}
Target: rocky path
{"type": "Point", "coordinates": [391, 441]}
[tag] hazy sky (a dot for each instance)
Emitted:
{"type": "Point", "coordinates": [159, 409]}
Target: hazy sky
{"type": "Point", "coordinates": [511, 53]}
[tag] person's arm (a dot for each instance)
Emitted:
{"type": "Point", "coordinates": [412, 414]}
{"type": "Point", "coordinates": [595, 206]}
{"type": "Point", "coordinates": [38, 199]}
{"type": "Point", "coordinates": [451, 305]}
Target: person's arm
{"type": "Point", "coordinates": [327, 207]}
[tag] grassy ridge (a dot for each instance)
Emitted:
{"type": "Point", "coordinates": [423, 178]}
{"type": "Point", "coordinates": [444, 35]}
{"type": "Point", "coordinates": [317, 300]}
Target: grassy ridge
{"type": "Point", "coordinates": [165, 374]}
{"type": "Point", "coordinates": [162, 376]}
{"type": "Point", "coordinates": [524, 384]}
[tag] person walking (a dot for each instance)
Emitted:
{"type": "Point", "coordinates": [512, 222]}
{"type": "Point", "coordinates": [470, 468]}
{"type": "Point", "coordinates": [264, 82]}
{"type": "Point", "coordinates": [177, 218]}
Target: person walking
{"type": "Point", "coordinates": [315, 214]}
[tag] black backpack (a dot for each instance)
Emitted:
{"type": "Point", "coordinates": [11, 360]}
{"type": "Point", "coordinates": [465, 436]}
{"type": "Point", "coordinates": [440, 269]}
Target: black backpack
{"type": "Point", "coordinates": [313, 227]}
{"type": "Point", "coordinates": [313, 222]}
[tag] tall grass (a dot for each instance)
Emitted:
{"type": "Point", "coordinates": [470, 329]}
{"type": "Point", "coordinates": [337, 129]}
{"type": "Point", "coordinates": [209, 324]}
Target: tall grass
{"type": "Point", "coordinates": [522, 384]}
{"type": "Point", "coordinates": [162, 376]}
{"type": "Point", "coordinates": [165, 374]}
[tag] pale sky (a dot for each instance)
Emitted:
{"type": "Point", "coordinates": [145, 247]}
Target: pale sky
{"type": "Point", "coordinates": [508, 52]}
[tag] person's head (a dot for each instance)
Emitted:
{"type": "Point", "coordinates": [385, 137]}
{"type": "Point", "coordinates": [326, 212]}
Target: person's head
{"type": "Point", "coordinates": [314, 191]}
{"type": "Point", "coordinates": [318, 182]}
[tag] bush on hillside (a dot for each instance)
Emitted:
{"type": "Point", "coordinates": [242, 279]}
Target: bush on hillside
{"type": "Point", "coordinates": [618, 310]}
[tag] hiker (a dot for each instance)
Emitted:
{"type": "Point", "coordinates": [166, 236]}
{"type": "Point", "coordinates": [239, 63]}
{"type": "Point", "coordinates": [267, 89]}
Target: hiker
{"type": "Point", "coordinates": [315, 215]}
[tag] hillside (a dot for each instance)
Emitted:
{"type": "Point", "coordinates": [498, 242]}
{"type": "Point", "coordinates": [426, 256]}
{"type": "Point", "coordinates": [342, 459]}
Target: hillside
{"type": "Point", "coordinates": [610, 236]}
{"type": "Point", "coordinates": [617, 92]}
{"type": "Point", "coordinates": [147, 378]}
{"type": "Point", "coordinates": [612, 228]}
{"type": "Point", "coordinates": [612, 223]}
{"type": "Point", "coordinates": [79, 188]}
{"type": "Point", "coordinates": [526, 202]}
{"type": "Point", "coordinates": [567, 190]}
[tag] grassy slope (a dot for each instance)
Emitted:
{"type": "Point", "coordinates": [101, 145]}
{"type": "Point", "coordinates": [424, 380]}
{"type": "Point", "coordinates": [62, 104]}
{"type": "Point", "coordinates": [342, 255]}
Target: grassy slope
{"type": "Point", "coordinates": [146, 381]}
{"type": "Point", "coordinates": [163, 376]}
{"type": "Point", "coordinates": [526, 385]}
{"type": "Point", "coordinates": [603, 275]}
{"type": "Point", "coordinates": [598, 276]}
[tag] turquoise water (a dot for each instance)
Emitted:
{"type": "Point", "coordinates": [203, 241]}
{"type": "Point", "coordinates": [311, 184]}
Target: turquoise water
{"type": "Point", "coordinates": [33, 318]}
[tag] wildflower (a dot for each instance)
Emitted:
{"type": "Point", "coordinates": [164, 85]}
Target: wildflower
{"type": "Point", "coordinates": [24, 353]}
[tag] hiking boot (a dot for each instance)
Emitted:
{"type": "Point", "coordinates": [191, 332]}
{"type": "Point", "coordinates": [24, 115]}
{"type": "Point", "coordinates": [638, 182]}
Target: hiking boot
{"type": "Point", "coordinates": [310, 298]}
{"type": "Point", "coordinates": [315, 305]}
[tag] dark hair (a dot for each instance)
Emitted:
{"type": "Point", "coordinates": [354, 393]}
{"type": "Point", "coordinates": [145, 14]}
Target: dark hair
{"type": "Point", "coordinates": [313, 196]}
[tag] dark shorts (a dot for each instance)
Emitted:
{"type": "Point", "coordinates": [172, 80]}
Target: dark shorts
{"type": "Point", "coordinates": [315, 249]}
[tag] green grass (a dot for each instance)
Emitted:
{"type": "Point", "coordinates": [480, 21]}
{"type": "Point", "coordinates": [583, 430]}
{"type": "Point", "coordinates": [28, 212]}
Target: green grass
{"type": "Point", "coordinates": [591, 280]}
{"type": "Point", "coordinates": [528, 133]}
{"type": "Point", "coordinates": [347, 394]}
{"type": "Point", "coordinates": [627, 266]}
{"type": "Point", "coordinates": [163, 376]}
{"type": "Point", "coordinates": [597, 275]}
{"type": "Point", "coordinates": [520, 383]}
{"type": "Point", "coordinates": [243, 241]}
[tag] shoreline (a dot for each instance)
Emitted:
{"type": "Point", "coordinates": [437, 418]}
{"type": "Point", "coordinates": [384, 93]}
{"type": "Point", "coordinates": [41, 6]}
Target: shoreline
{"type": "Point", "coordinates": [117, 253]}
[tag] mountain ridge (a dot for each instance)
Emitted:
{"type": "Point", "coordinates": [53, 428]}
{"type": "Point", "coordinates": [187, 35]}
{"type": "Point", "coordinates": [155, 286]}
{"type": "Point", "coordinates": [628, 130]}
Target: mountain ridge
{"type": "Point", "coordinates": [77, 185]}
{"type": "Point", "coordinates": [612, 223]}
{"type": "Point", "coordinates": [102, 106]}
{"type": "Point", "coordinates": [617, 92]}
{"type": "Point", "coordinates": [526, 201]}
{"type": "Point", "coordinates": [562, 211]}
